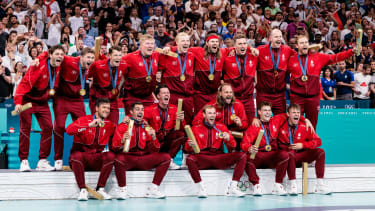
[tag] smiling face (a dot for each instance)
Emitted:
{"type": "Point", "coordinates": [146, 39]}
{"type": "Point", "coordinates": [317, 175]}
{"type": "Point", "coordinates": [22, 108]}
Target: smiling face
{"type": "Point", "coordinates": [226, 94]}
{"type": "Point", "coordinates": [294, 115]}
{"type": "Point", "coordinates": [147, 46]}
{"type": "Point", "coordinates": [303, 45]}
{"type": "Point", "coordinates": [241, 46]}
{"type": "Point", "coordinates": [213, 46]}
{"type": "Point", "coordinates": [164, 96]}
{"type": "Point", "coordinates": [210, 115]}
{"type": "Point", "coordinates": [102, 111]}
{"type": "Point", "coordinates": [115, 58]}
{"type": "Point", "coordinates": [87, 60]}
{"type": "Point", "coordinates": [276, 38]}
{"type": "Point", "coordinates": [265, 113]}
{"type": "Point", "coordinates": [183, 43]}
{"type": "Point", "coordinates": [137, 112]}
{"type": "Point", "coordinates": [57, 57]}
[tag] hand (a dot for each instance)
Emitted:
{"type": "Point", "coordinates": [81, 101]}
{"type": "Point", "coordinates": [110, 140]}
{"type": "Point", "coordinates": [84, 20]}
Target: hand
{"type": "Point", "coordinates": [124, 137]}
{"type": "Point", "coordinates": [151, 133]}
{"type": "Point", "coordinates": [357, 92]}
{"type": "Point", "coordinates": [253, 149]}
{"type": "Point", "coordinates": [95, 123]}
{"type": "Point", "coordinates": [340, 83]}
{"type": "Point", "coordinates": [254, 51]}
{"type": "Point", "coordinates": [226, 136]}
{"type": "Point", "coordinates": [191, 143]}
{"type": "Point", "coordinates": [309, 125]}
{"type": "Point", "coordinates": [166, 50]}
{"type": "Point", "coordinates": [296, 146]}
{"type": "Point", "coordinates": [357, 49]}
{"type": "Point", "coordinates": [238, 121]}
{"type": "Point", "coordinates": [256, 122]}
{"type": "Point", "coordinates": [181, 116]}
{"type": "Point", "coordinates": [232, 52]}
{"type": "Point", "coordinates": [18, 108]}
{"type": "Point", "coordinates": [125, 120]}
{"type": "Point", "coordinates": [35, 62]}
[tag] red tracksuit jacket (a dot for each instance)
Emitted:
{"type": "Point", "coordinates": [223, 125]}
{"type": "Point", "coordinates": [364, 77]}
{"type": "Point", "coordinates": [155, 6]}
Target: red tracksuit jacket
{"type": "Point", "coordinates": [84, 135]}
{"type": "Point", "coordinates": [266, 80]}
{"type": "Point", "coordinates": [315, 62]}
{"type": "Point", "coordinates": [208, 138]}
{"type": "Point", "coordinates": [140, 142]}
{"type": "Point", "coordinates": [171, 73]}
{"type": "Point", "coordinates": [243, 84]}
{"type": "Point", "coordinates": [35, 85]}
{"type": "Point", "coordinates": [223, 115]}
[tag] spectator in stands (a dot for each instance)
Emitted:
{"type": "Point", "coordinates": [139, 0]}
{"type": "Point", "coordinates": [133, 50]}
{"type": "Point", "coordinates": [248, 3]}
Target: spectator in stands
{"type": "Point", "coordinates": [91, 31]}
{"type": "Point", "coordinates": [3, 39]}
{"type": "Point", "coordinates": [11, 58]}
{"type": "Point", "coordinates": [67, 30]}
{"type": "Point", "coordinates": [19, 71]}
{"type": "Point", "coordinates": [230, 34]}
{"type": "Point", "coordinates": [372, 95]}
{"type": "Point", "coordinates": [51, 7]}
{"type": "Point", "coordinates": [19, 28]}
{"type": "Point", "coordinates": [161, 35]}
{"type": "Point", "coordinates": [291, 29]}
{"type": "Point", "coordinates": [362, 83]}
{"type": "Point", "coordinates": [75, 21]}
{"type": "Point", "coordinates": [135, 20]}
{"type": "Point", "coordinates": [54, 29]}
{"type": "Point", "coordinates": [107, 36]}
{"type": "Point", "coordinates": [87, 40]}
{"type": "Point", "coordinates": [345, 82]}
{"type": "Point", "coordinates": [328, 84]}
{"type": "Point", "coordinates": [77, 48]}
{"type": "Point", "coordinates": [5, 81]}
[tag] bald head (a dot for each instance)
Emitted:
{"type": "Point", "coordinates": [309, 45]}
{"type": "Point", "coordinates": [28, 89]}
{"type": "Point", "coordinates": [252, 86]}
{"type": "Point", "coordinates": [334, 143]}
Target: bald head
{"type": "Point", "coordinates": [276, 38]}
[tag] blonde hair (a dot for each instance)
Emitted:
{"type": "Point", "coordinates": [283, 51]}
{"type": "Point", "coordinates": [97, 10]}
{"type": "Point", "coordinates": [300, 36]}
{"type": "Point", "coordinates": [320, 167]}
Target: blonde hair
{"type": "Point", "coordinates": [181, 34]}
{"type": "Point", "coordinates": [146, 37]}
{"type": "Point", "coordinates": [302, 36]}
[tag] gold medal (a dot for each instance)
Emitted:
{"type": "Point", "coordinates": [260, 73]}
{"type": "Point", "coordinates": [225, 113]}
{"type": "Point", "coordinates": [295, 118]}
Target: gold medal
{"type": "Point", "coordinates": [221, 135]}
{"type": "Point", "coordinates": [304, 78]}
{"type": "Point", "coordinates": [211, 77]}
{"type": "Point", "coordinates": [82, 92]}
{"type": "Point", "coordinates": [182, 77]}
{"type": "Point", "coordinates": [51, 92]}
{"type": "Point", "coordinates": [276, 73]}
{"type": "Point", "coordinates": [148, 79]}
{"type": "Point", "coordinates": [101, 124]}
{"type": "Point", "coordinates": [233, 117]}
{"type": "Point", "coordinates": [268, 148]}
{"type": "Point", "coordinates": [114, 91]}
{"type": "Point", "coordinates": [148, 128]}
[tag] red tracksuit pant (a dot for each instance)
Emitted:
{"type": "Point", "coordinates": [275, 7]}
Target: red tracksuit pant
{"type": "Point", "coordinates": [208, 160]}
{"type": "Point", "coordinates": [201, 100]}
{"type": "Point", "coordinates": [309, 155]}
{"type": "Point", "coordinates": [43, 115]}
{"type": "Point", "coordinates": [309, 107]}
{"type": "Point", "coordinates": [278, 101]}
{"type": "Point", "coordinates": [248, 104]}
{"type": "Point", "coordinates": [187, 106]}
{"type": "Point", "coordinates": [76, 109]}
{"type": "Point", "coordinates": [172, 143]}
{"type": "Point", "coordinates": [125, 162]}
{"type": "Point", "coordinates": [81, 161]}
{"type": "Point", "coordinates": [273, 159]}
{"type": "Point", "coordinates": [113, 115]}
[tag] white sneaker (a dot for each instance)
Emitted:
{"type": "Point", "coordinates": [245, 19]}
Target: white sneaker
{"type": "Point", "coordinates": [123, 193]}
{"type": "Point", "coordinates": [322, 188]}
{"type": "Point", "coordinates": [173, 165]}
{"type": "Point", "coordinates": [154, 192]}
{"type": "Point", "coordinates": [279, 189]}
{"type": "Point", "coordinates": [83, 195]}
{"type": "Point", "coordinates": [105, 195]}
{"type": "Point", "coordinates": [292, 190]}
{"type": "Point", "coordinates": [183, 162]}
{"type": "Point", "coordinates": [58, 165]}
{"type": "Point", "coordinates": [202, 193]}
{"type": "Point", "coordinates": [43, 165]}
{"type": "Point", "coordinates": [25, 166]}
{"type": "Point", "coordinates": [257, 190]}
{"type": "Point", "coordinates": [234, 190]}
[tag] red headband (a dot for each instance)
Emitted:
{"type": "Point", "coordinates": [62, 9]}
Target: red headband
{"type": "Point", "coordinates": [212, 37]}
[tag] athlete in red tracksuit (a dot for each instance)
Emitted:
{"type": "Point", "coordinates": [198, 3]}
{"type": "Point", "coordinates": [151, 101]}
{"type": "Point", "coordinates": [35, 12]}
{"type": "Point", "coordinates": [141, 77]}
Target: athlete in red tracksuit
{"type": "Point", "coordinates": [37, 86]}
{"type": "Point", "coordinates": [106, 76]}
{"type": "Point", "coordinates": [139, 71]}
{"type": "Point", "coordinates": [209, 136]}
{"type": "Point", "coordinates": [302, 146]}
{"type": "Point", "coordinates": [162, 117]}
{"type": "Point", "coordinates": [88, 144]}
{"type": "Point", "coordinates": [267, 154]}
{"type": "Point", "coordinates": [239, 70]}
{"type": "Point", "coordinates": [271, 74]}
{"type": "Point", "coordinates": [143, 153]}
{"type": "Point", "coordinates": [208, 66]}
{"type": "Point", "coordinates": [70, 92]}
{"type": "Point", "coordinates": [305, 80]}
{"type": "Point", "coordinates": [178, 75]}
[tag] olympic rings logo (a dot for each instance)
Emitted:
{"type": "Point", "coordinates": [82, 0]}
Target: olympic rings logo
{"type": "Point", "coordinates": [243, 185]}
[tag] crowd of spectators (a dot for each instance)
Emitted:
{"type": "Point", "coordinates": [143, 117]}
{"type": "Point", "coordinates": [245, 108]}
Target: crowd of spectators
{"type": "Point", "coordinates": [29, 27]}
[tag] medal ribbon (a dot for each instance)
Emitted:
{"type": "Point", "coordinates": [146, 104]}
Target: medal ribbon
{"type": "Point", "coordinates": [275, 67]}
{"type": "Point", "coordinates": [82, 79]}
{"type": "Point", "coordinates": [291, 138]}
{"type": "Point", "coordinates": [113, 81]}
{"type": "Point", "coordinates": [212, 67]}
{"type": "Point", "coordinates": [51, 79]}
{"type": "Point", "coordinates": [148, 69]}
{"type": "Point", "coordinates": [163, 120]}
{"type": "Point", "coordinates": [304, 69]}
{"type": "Point", "coordinates": [182, 68]}
{"type": "Point", "coordinates": [239, 66]}
{"type": "Point", "coordinates": [266, 135]}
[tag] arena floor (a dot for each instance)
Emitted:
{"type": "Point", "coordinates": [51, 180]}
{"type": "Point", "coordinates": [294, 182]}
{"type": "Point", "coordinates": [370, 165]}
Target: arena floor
{"type": "Point", "coordinates": [364, 201]}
